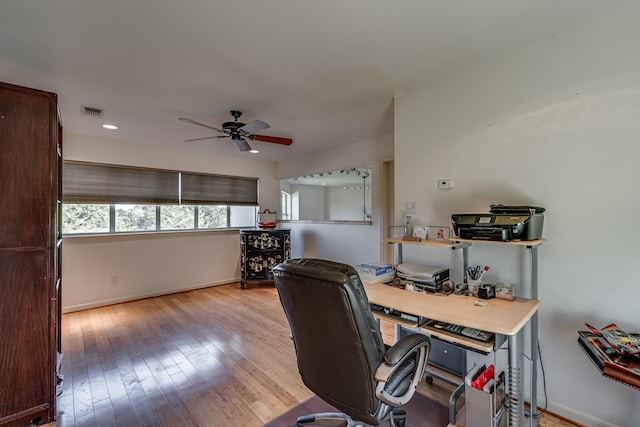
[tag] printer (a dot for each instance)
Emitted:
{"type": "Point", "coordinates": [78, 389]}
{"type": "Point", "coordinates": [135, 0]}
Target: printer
{"type": "Point", "coordinates": [502, 224]}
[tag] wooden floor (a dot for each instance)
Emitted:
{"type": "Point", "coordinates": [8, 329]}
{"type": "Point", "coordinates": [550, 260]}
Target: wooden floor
{"type": "Point", "coordinates": [219, 356]}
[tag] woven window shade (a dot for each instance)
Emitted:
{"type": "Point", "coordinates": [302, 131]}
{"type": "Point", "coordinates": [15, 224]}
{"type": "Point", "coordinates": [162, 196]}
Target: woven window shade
{"type": "Point", "coordinates": [200, 189]}
{"type": "Point", "coordinates": [94, 183]}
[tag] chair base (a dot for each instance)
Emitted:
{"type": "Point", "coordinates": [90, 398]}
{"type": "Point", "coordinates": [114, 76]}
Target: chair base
{"type": "Point", "coordinates": [338, 419]}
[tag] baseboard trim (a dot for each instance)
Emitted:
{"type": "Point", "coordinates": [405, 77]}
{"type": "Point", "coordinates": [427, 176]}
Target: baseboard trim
{"type": "Point", "coordinates": [127, 298]}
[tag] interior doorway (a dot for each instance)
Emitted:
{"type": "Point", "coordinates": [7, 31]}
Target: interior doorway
{"type": "Point", "coordinates": [388, 211]}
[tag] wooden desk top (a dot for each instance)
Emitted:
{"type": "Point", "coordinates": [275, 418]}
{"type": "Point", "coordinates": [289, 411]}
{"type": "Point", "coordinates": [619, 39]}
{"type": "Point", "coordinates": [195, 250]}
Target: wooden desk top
{"type": "Point", "coordinates": [500, 316]}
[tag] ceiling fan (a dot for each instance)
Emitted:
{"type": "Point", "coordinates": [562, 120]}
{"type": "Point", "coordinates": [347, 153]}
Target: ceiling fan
{"type": "Point", "coordinates": [240, 132]}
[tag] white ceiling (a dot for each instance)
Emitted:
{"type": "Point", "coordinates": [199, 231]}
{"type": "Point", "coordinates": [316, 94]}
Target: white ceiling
{"type": "Point", "coordinates": [321, 72]}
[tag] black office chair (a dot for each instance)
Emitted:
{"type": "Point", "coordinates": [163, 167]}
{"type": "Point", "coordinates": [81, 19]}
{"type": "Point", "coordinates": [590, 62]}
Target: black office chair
{"type": "Point", "coordinates": [340, 352]}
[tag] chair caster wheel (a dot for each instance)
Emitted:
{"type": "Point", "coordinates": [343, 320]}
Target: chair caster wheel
{"type": "Point", "coordinates": [398, 417]}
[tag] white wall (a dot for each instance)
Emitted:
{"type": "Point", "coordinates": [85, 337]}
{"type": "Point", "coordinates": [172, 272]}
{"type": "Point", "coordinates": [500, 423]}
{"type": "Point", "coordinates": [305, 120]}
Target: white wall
{"type": "Point", "coordinates": [555, 125]}
{"type": "Point", "coordinates": [348, 243]}
{"type": "Point", "coordinates": [310, 202]}
{"type": "Point", "coordinates": [349, 204]}
{"type": "Point", "coordinates": [158, 263]}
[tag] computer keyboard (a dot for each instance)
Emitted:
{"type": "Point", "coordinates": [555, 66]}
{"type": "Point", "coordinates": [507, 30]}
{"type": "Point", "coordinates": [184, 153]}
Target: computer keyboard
{"type": "Point", "coordinates": [472, 333]}
{"type": "Point", "coordinates": [394, 313]}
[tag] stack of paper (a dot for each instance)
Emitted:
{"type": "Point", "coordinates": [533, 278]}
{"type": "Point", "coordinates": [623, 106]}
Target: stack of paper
{"type": "Point", "coordinates": [374, 272]}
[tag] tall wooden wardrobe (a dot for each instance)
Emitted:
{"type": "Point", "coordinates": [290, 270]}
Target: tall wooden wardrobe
{"type": "Point", "coordinates": [30, 247]}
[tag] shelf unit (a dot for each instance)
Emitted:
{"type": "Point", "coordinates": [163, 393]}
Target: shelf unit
{"type": "Point", "coordinates": [514, 349]}
{"type": "Point", "coordinates": [447, 346]}
{"type": "Point", "coordinates": [30, 259]}
{"type": "Point", "coordinates": [532, 246]}
{"type": "Point", "coordinates": [441, 243]}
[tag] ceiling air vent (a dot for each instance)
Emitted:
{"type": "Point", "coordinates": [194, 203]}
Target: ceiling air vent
{"type": "Point", "coordinates": [92, 112]}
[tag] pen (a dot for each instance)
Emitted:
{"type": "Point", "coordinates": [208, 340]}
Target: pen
{"type": "Point", "coordinates": [486, 268]}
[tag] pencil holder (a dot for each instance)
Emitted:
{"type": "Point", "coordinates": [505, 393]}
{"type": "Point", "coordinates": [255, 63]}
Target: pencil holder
{"type": "Point", "coordinates": [474, 285]}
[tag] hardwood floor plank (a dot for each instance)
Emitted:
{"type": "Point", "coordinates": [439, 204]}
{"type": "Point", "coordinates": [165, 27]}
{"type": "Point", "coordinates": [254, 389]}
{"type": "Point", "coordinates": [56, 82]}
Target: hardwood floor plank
{"type": "Point", "coordinates": [214, 357]}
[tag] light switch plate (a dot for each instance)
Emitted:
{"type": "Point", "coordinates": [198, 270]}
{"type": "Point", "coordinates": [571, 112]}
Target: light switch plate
{"type": "Point", "coordinates": [410, 208]}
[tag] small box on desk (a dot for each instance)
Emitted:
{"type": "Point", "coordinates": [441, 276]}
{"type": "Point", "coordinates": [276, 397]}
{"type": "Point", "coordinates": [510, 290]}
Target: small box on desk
{"type": "Point", "coordinates": [375, 272]}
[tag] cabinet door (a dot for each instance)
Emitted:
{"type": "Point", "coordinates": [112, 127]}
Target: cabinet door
{"type": "Point", "coordinates": [261, 263]}
{"type": "Point", "coordinates": [25, 167]}
{"type": "Point", "coordinates": [25, 311]}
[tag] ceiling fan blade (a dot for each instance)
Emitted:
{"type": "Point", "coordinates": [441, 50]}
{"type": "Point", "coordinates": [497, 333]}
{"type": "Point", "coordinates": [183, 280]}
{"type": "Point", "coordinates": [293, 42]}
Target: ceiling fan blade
{"type": "Point", "coordinates": [206, 137]}
{"type": "Point", "coordinates": [254, 126]}
{"type": "Point", "coordinates": [193, 122]}
{"type": "Point", "coordinates": [242, 144]}
{"type": "Point", "coordinates": [273, 139]}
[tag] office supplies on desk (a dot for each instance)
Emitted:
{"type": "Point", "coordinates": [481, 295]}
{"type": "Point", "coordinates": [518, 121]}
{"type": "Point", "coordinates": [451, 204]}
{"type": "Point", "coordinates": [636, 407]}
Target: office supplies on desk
{"type": "Point", "coordinates": [502, 224]}
{"type": "Point", "coordinates": [423, 276]}
{"type": "Point", "coordinates": [375, 272]}
{"type": "Point", "coordinates": [476, 273]}
{"type": "Point", "coordinates": [487, 291]}
{"type": "Point", "coordinates": [505, 292]}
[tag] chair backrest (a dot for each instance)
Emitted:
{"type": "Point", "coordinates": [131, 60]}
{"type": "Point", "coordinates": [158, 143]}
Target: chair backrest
{"type": "Point", "coordinates": [337, 340]}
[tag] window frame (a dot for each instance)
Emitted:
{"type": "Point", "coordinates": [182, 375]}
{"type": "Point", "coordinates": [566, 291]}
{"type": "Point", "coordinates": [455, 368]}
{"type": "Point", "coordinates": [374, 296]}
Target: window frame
{"type": "Point", "coordinates": [158, 229]}
{"type": "Point", "coordinates": [112, 185]}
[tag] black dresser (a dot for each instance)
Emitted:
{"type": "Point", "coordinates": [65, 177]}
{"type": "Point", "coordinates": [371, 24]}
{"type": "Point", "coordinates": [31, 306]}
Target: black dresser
{"type": "Point", "coordinates": [260, 251]}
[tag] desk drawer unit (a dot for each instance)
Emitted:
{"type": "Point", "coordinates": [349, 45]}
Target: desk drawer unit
{"type": "Point", "coordinates": [260, 251]}
{"type": "Point", "coordinates": [443, 355]}
{"type": "Point", "coordinates": [448, 357]}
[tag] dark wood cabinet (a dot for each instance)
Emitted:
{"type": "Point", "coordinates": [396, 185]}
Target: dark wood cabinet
{"type": "Point", "coordinates": [260, 251]}
{"type": "Point", "coordinates": [30, 244]}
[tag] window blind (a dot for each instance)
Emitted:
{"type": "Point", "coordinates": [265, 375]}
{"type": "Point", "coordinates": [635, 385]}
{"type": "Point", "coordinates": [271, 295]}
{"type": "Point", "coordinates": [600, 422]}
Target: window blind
{"type": "Point", "coordinates": [98, 183]}
{"type": "Point", "coordinates": [95, 183]}
{"type": "Point", "coordinates": [201, 189]}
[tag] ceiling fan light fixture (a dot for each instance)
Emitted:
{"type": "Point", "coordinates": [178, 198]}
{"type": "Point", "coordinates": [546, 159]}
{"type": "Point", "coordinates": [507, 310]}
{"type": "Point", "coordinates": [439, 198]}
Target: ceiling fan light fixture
{"type": "Point", "coordinates": [240, 132]}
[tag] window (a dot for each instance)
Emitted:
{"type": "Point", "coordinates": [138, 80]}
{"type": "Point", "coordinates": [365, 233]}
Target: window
{"type": "Point", "coordinates": [86, 218]}
{"type": "Point", "coordinates": [212, 216]}
{"type": "Point", "coordinates": [117, 199]}
{"type": "Point", "coordinates": [127, 218]}
{"type": "Point", "coordinates": [135, 218]}
{"type": "Point", "coordinates": [180, 217]}
{"type": "Point", "coordinates": [285, 201]}
{"type": "Point", "coordinates": [241, 216]}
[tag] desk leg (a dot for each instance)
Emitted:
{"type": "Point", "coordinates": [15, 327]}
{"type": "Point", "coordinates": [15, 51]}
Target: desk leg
{"type": "Point", "coordinates": [534, 339]}
{"type": "Point", "coordinates": [514, 382]}
{"type": "Point", "coordinates": [398, 332]}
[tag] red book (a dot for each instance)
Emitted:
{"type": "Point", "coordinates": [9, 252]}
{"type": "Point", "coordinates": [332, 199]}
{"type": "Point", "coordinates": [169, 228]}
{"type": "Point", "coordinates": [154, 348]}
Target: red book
{"type": "Point", "coordinates": [483, 378]}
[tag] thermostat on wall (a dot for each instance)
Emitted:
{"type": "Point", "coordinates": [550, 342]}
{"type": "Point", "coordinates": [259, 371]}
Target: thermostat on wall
{"type": "Point", "coordinates": [445, 184]}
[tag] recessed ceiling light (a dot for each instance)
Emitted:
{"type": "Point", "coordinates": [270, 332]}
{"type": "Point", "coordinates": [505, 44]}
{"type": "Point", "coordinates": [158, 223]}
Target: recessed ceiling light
{"type": "Point", "coordinates": [254, 151]}
{"type": "Point", "coordinates": [110, 127]}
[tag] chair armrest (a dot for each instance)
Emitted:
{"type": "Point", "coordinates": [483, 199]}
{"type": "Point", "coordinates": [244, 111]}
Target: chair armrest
{"type": "Point", "coordinates": [392, 361]}
{"type": "Point", "coordinates": [398, 352]}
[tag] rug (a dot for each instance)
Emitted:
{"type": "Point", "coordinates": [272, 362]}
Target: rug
{"type": "Point", "coordinates": [421, 412]}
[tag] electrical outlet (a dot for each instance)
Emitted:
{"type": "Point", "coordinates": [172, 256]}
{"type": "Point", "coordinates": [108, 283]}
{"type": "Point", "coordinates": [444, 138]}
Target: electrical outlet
{"type": "Point", "coordinates": [114, 280]}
